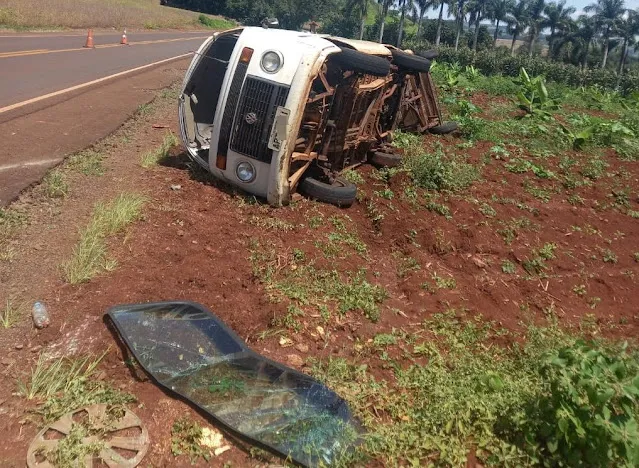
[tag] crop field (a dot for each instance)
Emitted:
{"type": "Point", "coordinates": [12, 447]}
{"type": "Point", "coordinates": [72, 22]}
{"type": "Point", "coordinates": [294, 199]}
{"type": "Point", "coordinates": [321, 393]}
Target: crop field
{"type": "Point", "coordinates": [476, 306]}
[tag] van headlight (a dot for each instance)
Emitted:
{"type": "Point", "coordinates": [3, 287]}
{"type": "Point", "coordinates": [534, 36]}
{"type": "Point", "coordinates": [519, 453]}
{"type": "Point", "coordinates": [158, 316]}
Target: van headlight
{"type": "Point", "coordinates": [245, 172]}
{"type": "Point", "coordinates": [272, 61]}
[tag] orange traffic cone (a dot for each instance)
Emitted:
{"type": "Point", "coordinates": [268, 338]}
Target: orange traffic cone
{"type": "Point", "coordinates": [89, 44]}
{"type": "Point", "coordinates": [124, 40]}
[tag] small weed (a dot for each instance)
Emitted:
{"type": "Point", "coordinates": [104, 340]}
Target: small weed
{"type": "Point", "coordinates": [580, 290]}
{"type": "Point", "coordinates": [547, 252]}
{"type": "Point", "coordinates": [55, 185]}
{"type": "Point", "coordinates": [633, 214]}
{"type": "Point", "coordinates": [444, 283]}
{"type": "Point", "coordinates": [315, 221]}
{"type": "Point", "coordinates": [608, 256]}
{"type": "Point", "coordinates": [185, 440]}
{"type": "Point", "coordinates": [407, 265]}
{"type": "Point", "coordinates": [636, 256]}
{"type": "Point", "coordinates": [487, 210]}
{"type": "Point", "coordinates": [593, 302]}
{"type": "Point", "coordinates": [439, 208]}
{"type": "Point", "coordinates": [383, 340]}
{"type": "Point", "coordinates": [353, 176]}
{"type": "Point", "coordinates": [153, 157]}
{"type": "Point", "coordinates": [508, 267]}
{"type": "Point", "coordinates": [90, 254]}
{"type": "Point", "coordinates": [575, 199]}
{"type": "Point", "coordinates": [386, 193]}
{"type": "Point", "coordinates": [538, 192]}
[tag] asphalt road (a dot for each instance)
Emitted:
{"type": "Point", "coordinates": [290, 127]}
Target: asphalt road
{"type": "Point", "coordinates": [47, 112]}
{"type": "Point", "coordinates": [34, 65]}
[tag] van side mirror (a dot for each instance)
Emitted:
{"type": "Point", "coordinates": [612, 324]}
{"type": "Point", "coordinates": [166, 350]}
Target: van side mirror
{"type": "Point", "coordinates": [270, 23]}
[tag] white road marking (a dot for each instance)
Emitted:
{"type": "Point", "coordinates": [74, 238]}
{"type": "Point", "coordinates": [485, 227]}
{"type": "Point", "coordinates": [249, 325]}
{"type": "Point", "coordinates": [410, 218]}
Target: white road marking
{"type": "Point", "coordinates": [89, 83]}
{"type": "Point", "coordinates": [44, 162]}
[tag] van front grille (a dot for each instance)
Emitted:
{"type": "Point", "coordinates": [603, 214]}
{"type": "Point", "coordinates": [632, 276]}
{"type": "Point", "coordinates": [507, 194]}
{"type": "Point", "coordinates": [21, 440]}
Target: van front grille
{"type": "Point", "coordinates": [255, 115]}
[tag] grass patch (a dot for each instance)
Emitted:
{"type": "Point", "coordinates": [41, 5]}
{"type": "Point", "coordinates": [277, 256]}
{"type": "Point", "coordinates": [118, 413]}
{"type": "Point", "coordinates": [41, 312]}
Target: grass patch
{"type": "Point", "coordinates": [90, 254]}
{"type": "Point", "coordinates": [512, 406]}
{"type": "Point", "coordinates": [87, 162]}
{"type": "Point", "coordinates": [10, 313]}
{"type": "Point", "coordinates": [439, 171]}
{"type": "Point", "coordinates": [54, 184]}
{"type": "Point", "coordinates": [64, 384]}
{"type": "Point", "coordinates": [152, 158]}
{"type": "Point", "coordinates": [306, 285]}
{"type": "Point", "coordinates": [216, 22]}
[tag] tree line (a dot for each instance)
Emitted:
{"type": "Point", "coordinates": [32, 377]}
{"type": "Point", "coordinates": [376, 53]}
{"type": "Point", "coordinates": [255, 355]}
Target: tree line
{"type": "Point", "coordinates": [606, 26]}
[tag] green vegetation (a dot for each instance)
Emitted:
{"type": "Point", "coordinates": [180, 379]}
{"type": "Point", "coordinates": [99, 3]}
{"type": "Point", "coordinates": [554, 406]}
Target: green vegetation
{"type": "Point", "coordinates": [551, 398]}
{"type": "Point", "coordinates": [216, 23]}
{"type": "Point", "coordinates": [153, 157]}
{"type": "Point", "coordinates": [186, 435]}
{"type": "Point", "coordinates": [305, 285]}
{"type": "Point", "coordinates": [54, 184]}
{"type": "Point", "coordinates": [90, 254]}
{"type": "Point", "coordinates": [10, 313]}
{"type": "Point", "coordinates": [65, 384]}
{"type": "Point", "coordinates": [87, 162]}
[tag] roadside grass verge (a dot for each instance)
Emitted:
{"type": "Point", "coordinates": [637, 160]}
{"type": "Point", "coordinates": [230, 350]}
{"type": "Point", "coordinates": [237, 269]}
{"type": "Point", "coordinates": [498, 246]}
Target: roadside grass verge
{"type": "Point", "coordinates": [548, 399]}
{"type": "Point", "coordinates": [54, 184]}
{"type": "Point", "coordinates": [139, 14]}
{"type": "Point", "coordinates": [11, 220]}
{"type": "Point", "coordinates": [153, 157]}
{"type": "Point", "coordinates": [90, 254]}
{"type": "Point", "coordinates": [89, 163]}
{"type": "Point", "coordinates": [65, 384]}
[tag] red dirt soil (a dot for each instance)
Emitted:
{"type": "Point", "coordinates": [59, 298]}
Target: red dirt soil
{"type": "Point", "coordinates": [193, 244]}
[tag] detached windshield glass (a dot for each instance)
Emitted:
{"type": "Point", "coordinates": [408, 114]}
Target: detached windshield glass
{"type": "Point", "coordinates": [191, 352]}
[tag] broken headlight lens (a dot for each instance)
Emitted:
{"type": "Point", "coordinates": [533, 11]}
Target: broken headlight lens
{"type": "Point", "coordinates": [272, 61]}
{"type": "Point", "coordinates": [245, 171]}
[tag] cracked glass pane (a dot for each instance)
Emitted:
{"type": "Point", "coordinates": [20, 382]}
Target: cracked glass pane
{"type": "Point", "coordinates": [190, 351]}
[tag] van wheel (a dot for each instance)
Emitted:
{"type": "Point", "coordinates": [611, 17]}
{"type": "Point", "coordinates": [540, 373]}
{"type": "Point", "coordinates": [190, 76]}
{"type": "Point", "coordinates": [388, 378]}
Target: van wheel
{"type": "Point", "coordinates": [379, 158]}
{"type": "Point", "coordinates": [444, 128]}
{"type": "Point", "coordinates": [350, 59]}
{"type": "Point", "coordinates": [341, 192]}
{"type": "Point", "coordinates": [410, 62]}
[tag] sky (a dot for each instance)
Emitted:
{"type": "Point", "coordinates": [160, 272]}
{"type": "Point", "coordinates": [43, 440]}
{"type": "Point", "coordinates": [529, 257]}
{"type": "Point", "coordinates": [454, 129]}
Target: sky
{"type": "Point", "coordinates": [578, 4]}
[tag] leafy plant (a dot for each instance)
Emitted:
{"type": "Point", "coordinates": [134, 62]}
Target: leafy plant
{"type": "Point", "coordinates": [588, 412]}
{"type": "Point", "coordinates": [185, 440]}
{"type": "Point", "coordinates": [533, 96]}
{"type": "Point", "coordinates": [577, 140]}
{"type": "Point", "coordinates": [508, 267]}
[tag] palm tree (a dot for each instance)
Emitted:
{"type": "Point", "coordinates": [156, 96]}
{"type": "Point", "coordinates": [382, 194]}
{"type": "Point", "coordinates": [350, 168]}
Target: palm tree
{"type": "Point", "coordinates": [477, 12]}
{"type": "Point", "coordinates": [419, 9]}
{"type": "Point", "coordinates": [404, 6]}
{"type": "Point", "coordinates": [628, 30]}
{"type": "Point", "coordinates": [361, 7]}
{"type": "Point", "coordinates": [558, 16]}
{"type": "Point", "coordinates": [459, 9]}
{"type": "Point", "coordinates": [607, 14]}
{"type": "Point", "coordinates": [586, 33]}
{"type": "Point", "coordinates": [498, 11]}
{"type": "Point", "coordinates": [440, 4]}
{"type": "Point", "coordinates": [517, 21]}
{"type": "Point", "coordinates": [535, 22]}
{"type": "Point", "coordinates": [385, 5]}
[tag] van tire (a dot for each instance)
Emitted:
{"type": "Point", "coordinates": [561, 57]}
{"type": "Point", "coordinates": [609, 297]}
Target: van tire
{"type": "Point", "coordinates": [340, 193]}
{"type": "Point", "coordinates": [410, 62]}
{"type": "Point", "coordinates": [379, 158]}
{"type": "Point", "coordinates": [350, 59]}
{"type": "Point", "coordinates": [443, 129]}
